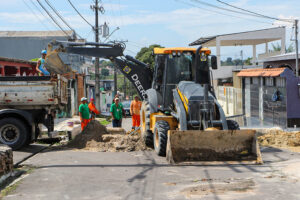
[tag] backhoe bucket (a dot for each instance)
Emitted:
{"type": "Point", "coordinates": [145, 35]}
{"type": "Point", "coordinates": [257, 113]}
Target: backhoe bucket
{"type": "Point", "coordinates": [214, 145]}
{"type": "Point", "coordinates": [54, 64]}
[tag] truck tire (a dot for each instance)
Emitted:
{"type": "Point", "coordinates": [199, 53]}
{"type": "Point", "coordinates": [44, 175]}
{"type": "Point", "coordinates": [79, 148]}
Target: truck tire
{"type": "Point", "coordinates": [147, 134]}
{"type": "Point", "coordinates": [233, 125]}
{"type": "Point", "coordinates": [160, 137]}
{"type": "Point", "coordinates": [13, 133]}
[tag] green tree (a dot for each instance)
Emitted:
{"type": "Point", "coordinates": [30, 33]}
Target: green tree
{"type": "Point", "coordinates": [248, 61]}
{"type": "Point", "coordinates": [145, 55]}
{"type": "Point", "coordinates": [277, 47]}
{"type": "Point", "coordinates": [104, 72]}
{"type": "Point", "coordinates": [105, 63]}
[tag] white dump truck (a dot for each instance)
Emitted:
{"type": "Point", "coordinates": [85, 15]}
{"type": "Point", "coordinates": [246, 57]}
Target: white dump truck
{"type": "Point", "coordinates": [26, 102]}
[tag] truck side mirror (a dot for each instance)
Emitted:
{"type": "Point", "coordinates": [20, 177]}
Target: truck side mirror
{"type": "Point", "coordinates": [213, 61]}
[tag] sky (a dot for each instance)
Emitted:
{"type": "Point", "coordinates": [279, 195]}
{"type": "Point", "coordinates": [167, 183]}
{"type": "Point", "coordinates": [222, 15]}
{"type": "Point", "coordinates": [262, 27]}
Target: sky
{"type": "Point", "coordinates": [169, 23]}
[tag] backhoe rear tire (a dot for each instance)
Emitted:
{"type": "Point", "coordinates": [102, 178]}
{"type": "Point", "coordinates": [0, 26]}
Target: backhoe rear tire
{"type": "Point", "coordinates": [160, 137]}
{"type": "Point", "coordinates": [233, 125]}
{"type": "Point", "coordinates": [147, 134]}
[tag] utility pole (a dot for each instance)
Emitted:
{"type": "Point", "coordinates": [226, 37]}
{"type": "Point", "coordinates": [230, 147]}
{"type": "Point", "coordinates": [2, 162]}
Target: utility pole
{"type": "Point", "coordinates": [115, 81]}
{"type": "Point", "coordinates": [96, 8]}
{"type": "Point", "coordinates": [296, 45]}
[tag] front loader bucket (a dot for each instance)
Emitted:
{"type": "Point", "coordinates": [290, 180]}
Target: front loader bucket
{"type": "Point", "coordinates": [214, 145]}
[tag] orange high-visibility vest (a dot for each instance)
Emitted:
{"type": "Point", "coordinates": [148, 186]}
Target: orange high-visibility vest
{"type": "Point", "coordinates": [93, 108]}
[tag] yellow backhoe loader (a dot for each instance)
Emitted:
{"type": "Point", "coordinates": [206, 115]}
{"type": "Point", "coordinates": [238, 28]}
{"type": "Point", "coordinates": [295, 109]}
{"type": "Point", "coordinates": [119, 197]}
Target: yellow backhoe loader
{"type": "Point", "coordinates": [180, 116]}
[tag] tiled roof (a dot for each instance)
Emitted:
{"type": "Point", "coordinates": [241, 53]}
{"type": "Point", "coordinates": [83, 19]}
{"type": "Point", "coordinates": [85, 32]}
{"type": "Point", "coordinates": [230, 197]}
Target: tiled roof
{"type": "Point", "coordinates": [269, 72]}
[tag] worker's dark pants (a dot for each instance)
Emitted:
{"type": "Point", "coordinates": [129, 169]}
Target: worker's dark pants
{"type": "Point", "coordinates": [117, 123]}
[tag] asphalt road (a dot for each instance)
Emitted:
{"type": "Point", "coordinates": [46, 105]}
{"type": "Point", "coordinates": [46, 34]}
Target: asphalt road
{"type": "Point", "coordinates": [143, 175]}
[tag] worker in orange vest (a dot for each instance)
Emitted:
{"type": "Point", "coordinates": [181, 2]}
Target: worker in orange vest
{"type": "Point", "coordinates": [135, 108]}
{"type": "Point", "coordinates": [84, 113]}
{"type": "Point", "coordinates": [93, 109]}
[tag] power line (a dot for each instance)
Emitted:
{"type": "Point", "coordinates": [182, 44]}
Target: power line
{"type": "Point", "coordinates": [53, 19]}
{"type": "Point", "coordinates": [62, 19]}
{"type": "Point", "coordinates": [41, 21]}
{"type": "Point", "coordinates": [257, 14]}
{"type": "Point", "coordinates": [221, 8]}
{"type": "Point", "coordinates": [193, 5]}
{"type": "Point", "coordinates": [80, 14]}
{"type": "Point", "coordinates": [46, 16]}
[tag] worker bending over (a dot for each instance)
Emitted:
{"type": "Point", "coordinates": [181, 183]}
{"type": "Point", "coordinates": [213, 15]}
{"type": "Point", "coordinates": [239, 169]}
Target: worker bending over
{"type": "Point", "coordinates": [93, 109]}
{"type": "Point", "coordinates": [84, 113]}
{"type": "Point", "coordinates": [135, 108]}
{"type": "Point", "coordinates": [40, 66]}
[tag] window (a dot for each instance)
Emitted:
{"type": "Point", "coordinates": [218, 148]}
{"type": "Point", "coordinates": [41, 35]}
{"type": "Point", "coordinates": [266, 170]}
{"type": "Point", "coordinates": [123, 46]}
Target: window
{"type": "Point", "coordinates": [255, 80]}
{"type": "Point", "coordinates": [269, 81]}
{"type": "Point", "coordinates": [280, 82]}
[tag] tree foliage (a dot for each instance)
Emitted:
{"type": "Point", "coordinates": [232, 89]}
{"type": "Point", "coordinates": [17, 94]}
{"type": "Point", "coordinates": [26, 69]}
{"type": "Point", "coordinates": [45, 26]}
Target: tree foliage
{"type": "Point", "coordinates": [104, 72]}
{"type": "Point", "coordinates": [145, 55]}
{"type": "Point", "coordinates": [277, 47]}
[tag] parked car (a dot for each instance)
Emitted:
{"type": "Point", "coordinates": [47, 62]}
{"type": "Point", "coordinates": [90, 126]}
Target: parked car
{"type": "Point", "coordinates": [126, 105]}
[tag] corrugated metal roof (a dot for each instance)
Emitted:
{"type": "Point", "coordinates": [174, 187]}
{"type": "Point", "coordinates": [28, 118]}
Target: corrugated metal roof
{"type": "Point", "coordinates": [36, 33]}
{"type": "Point", "coordinates": [269, 72]}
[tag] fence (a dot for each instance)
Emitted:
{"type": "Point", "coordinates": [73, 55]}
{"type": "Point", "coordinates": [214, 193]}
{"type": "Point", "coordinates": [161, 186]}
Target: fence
{"type": "Point", "coordinates": [231, 100]}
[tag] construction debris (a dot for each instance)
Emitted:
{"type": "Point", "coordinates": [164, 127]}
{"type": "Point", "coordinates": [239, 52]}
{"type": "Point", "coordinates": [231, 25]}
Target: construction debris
{"type": "Point", "coordinates": [280, 138]}
{"type": "Point", "coordinates": [96, 137]}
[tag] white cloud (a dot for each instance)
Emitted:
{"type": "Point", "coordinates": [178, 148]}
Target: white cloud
{"type": "Point", "coordinates": [288, 21]}
{"type": "Point", "coordinates": [19, 17]}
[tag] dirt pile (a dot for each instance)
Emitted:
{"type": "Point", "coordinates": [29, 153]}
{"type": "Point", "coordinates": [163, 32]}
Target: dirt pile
{"type": "Point", "coordinates": [280, 138]}
{"type": "Point", "coordinates": [96, 137]}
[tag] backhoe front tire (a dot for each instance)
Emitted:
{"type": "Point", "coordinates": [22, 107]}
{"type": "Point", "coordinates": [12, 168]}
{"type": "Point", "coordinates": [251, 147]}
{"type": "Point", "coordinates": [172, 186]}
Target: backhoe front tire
{"type": "Point", "coordinates": [160, 137]}
{"type": "Point", "coordinates": [233, 125]}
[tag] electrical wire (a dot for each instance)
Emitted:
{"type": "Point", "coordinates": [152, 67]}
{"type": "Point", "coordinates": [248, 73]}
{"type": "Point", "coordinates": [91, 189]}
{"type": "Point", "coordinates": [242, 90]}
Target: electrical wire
{"type": "Point", "coordinates": [257, 14]}
{"type": "Point", "coordinates": [41, 21]}
{"type": "Point", "coordinates": [53, 19]}
{"type": "Point", "coordinates": [61, 17]}
{"type": "Point", "coordinates": [221, 8]}
{"type": "Point", "coordinates": [80, 14]}
{"type": "Point", "coordinates": [193, 5]}
{"type": "Point", "coordinates": [46, 16]}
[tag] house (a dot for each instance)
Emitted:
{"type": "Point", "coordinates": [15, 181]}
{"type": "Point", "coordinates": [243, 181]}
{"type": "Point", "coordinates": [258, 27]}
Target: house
{"type": "Point", "coordinates": [271, 97]}
{"type": "Point", "coordinates": [28, 45]}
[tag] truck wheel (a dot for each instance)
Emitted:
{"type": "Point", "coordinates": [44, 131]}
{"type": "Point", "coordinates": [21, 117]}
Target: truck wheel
{"type": "Point", "coordinates": [147, 134]}
{"type": "Point", "coordinates": [160, 137]}
{"type": "Point", "coordinates": [233, 125]}
{"type": "Point", "coordinates": [13, 133]}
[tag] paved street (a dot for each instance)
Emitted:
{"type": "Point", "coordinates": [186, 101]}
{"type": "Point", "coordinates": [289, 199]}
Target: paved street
{"type": "Point", "coordinates": [143, 175]}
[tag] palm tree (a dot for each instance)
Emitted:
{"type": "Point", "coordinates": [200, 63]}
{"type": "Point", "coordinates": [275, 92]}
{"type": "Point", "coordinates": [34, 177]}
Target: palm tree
{"type": "Point", "coordinates": [277, 47]}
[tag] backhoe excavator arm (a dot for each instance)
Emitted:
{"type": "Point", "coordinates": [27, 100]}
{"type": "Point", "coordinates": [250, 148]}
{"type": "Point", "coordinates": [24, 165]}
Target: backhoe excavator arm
{"type": "Point", "coordinates": [138, 73]}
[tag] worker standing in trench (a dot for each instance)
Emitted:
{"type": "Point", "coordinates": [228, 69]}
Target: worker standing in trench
{"type": "Point", "coordinates": [116, 111]}
{"type": "Point", "coordinates": [84, 113]}
{"type": "Point", "coordinates": [135, 108]}
{"type": "Point", "coordinates": [93, 109]}
{"type": "Point", "coordinates": [40, 66]}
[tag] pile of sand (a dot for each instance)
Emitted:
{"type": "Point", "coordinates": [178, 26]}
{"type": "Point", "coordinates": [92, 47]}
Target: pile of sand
{"type": "Point", "coordinates": [280, 138]}
{"type": "Point", "coordinates": [96, 137]}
